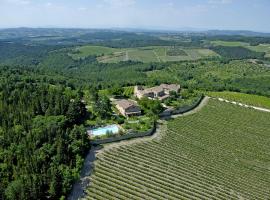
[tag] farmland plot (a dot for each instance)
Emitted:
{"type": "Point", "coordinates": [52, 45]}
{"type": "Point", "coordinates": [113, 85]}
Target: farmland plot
{"type": "Point", "coordinates": [221, 152]}
{"type": "Point", "coordinates": [250, 99]}
{"type": "Point", "coordinates": [143, 54]}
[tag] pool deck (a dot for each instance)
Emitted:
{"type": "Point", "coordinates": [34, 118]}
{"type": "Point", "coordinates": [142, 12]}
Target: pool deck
{"type": "Point", "coordinates": [114, 128]}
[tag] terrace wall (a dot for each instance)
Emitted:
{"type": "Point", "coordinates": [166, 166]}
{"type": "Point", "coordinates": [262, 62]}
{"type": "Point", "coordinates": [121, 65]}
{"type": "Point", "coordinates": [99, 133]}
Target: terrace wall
{"type": "Point", "coordinates": [184, 109]}
{"type": "Point", "coordinates": [127, 136]}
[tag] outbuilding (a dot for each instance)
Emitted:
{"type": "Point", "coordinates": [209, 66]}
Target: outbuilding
{"type": "Point", "coordinates": [128, 108]}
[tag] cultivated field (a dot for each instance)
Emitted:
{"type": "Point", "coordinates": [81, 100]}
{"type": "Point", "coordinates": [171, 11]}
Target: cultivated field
{"type": "Point", "coordinates": [262, 48]}
{"type": "Point", "coordinates": [253, 100]}
{"type": "Point", "coordinates": [221, 152]}
{"type": "Point", "coordinates": [229, 43]}
{"type": "Point", "coordinates": [84, 51]}
{"type": "Point", "coordinates": [144, 54]}
{"type": "Point", "coordinates": [259, 48]}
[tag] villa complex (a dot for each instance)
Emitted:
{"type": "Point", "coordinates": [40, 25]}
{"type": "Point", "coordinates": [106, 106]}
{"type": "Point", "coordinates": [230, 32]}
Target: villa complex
{"type": "Point", "coordinates": [130, 108]}
{"type": "Point", "coordinates": [161, 92]}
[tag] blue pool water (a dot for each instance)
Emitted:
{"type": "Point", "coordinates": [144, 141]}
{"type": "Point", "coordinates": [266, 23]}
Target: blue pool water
{"type": "Point", "coordinates": [103, 130]}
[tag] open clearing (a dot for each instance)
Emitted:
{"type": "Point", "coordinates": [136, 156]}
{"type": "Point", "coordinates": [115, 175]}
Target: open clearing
{"type": "Point", "coordinates": [221, 152]}
{"type": "Point", "coordinates": [259, 48]}
{"type": "Point", "coordinates": [143, 54]}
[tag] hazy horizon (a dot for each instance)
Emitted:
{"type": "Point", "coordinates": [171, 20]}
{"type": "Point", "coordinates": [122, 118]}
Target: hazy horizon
{"type": "Point", "coordinates": [158, 29]}
{"type": "Point", "coordinates": [195, 15]}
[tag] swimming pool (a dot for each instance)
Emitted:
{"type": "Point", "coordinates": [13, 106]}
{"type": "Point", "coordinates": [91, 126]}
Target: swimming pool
{"type": "Point", "coordinates": [104, 130]}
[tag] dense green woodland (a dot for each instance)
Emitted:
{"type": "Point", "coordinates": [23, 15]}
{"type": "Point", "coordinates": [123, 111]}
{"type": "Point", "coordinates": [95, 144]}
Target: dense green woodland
{"type": "Point", "coordinates": [238, 76]}
{"type": "Point", "coordinates": [41, 146]}
{"type": "Point", "coordinates": [42, 139]}
{"type": "Point", "coordinates": [24, 54]}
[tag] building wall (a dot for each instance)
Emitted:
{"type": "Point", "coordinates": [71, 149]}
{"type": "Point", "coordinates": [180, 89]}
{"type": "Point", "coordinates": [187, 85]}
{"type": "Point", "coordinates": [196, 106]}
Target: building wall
{"type": "Point", "coordinates": [131, 109]}
{"type": "Point", "coordinates": [159, 94]}
{"type": "Point", "coordinates": [138, 91]}
{"type": "Point", "coordinates": [134, 109]}
{"type": "Point", "coordinates": [150, 94]}
{"type": "Point", "coordinates": [121, 110]}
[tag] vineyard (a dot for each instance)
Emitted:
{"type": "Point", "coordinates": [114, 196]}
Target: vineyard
{"type": "Point", "coordinates": [250, 99]}
{"type": "Point", "coordinates": [258, 48]}
{"type": "Point", "coordinates": [221, 152]}
{"type": "Point", "coordinates": [128, 91]}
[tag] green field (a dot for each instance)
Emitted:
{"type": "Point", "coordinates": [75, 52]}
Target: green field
{"type": "Point", "coordinates": [221, 152]}
{"type": "Point", "coordinates": [259, 48]}
{"type": "Point", "coordinates": [144, 54]}
{"type": "Point", "coordinates": [249, 99]}
{"type": "Point", "coordinates": [262, 48]}
{"type": "Point", "coordinates": [229, 43]}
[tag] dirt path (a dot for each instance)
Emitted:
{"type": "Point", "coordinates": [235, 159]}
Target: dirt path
{"type": "Point", "coordinates": [158, 58]}
{"type": "Point", "coordinates": [242, 105]}
{"type": "Point", "coordinates": [88, 166]}
{"type": "Point", "coordinates": [126, 57]}
{"type": "Point", "coordinates": [80, 186]}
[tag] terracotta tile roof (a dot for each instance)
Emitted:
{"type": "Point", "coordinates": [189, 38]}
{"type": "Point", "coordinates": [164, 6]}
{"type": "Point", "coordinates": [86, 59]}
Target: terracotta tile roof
{"type": "Point", "coordinates": [170, 86]}
{"type": "Point", "coordinates": [154, 89]}
{"type": "Point", "coordinates": [126, 103]}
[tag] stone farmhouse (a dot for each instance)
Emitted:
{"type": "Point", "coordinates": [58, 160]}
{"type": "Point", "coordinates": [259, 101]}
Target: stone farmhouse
{"type": "Point", "coordinates": [161, 92]}
{"type": "Point", "coordinates": [128, 108]}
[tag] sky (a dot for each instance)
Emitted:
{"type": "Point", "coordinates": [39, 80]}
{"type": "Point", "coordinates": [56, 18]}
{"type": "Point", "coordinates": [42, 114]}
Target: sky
{"type": "Point", "coordinates": [145, 14]}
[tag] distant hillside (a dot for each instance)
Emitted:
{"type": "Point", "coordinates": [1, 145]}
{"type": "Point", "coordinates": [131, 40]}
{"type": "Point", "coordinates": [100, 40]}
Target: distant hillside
{"type": "Point", "coordinates": [240, 32]}
{"type": "Point", "coordinates": [15, 33]}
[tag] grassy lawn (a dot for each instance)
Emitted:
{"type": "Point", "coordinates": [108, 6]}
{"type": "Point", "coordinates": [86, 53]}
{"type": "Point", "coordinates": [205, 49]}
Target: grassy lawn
{"type": "Point", "coordinates": [184, 102]}
{"type": "Point", "coordinates": [145, 55]}
{"type": "Point", "coordinates": [230, 44]}
{"type": "Point", "coordinates": [138, 124]}
{"type": "Point", "coordinates": [221, 152]}
{"type": "Point", "coordinates": [249, 99]}
{"type": "Point", "coordinates": [183, 99]}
